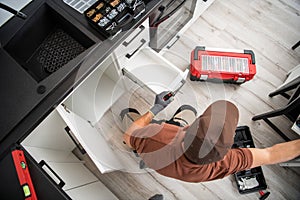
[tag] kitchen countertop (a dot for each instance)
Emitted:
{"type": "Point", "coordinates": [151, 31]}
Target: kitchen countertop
{"type": "Point", "coordinates": [22, 106]}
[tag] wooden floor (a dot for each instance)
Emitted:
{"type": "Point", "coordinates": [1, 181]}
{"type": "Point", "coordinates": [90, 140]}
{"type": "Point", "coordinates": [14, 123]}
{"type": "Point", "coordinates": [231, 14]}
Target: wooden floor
{"type": "Point", "coordinates": [268, 27]}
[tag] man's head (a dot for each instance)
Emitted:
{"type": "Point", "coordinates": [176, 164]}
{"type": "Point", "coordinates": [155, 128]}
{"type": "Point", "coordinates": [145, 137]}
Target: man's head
{"type": "Point", "coordinates": [211, 135]}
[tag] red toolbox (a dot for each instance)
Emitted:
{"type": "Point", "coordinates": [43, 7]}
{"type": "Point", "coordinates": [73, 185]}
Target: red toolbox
{"type": "Point", "coordinates": [222, 65]}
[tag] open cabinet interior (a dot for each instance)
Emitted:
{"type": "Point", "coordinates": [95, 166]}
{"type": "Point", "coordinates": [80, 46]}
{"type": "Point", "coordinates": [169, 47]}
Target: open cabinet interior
{"type": "Point", "coordinates": [52, 148]}
{"type": "Point", "coordinates": [155, 72]}
{"type": "Point", "coordinates": [97, 93]}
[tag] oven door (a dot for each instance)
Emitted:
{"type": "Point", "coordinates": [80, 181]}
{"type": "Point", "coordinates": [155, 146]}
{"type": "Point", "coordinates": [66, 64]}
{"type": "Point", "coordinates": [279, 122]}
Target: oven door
{"type": "Point", "coordinates": [169, 18]}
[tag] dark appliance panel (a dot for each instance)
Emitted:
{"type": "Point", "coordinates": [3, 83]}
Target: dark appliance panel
{"type": "Point", "coordinates": [169, 18]}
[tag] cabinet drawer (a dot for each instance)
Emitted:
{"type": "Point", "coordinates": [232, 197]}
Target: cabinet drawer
{"type": "Point", "coordinates": [154, 71]}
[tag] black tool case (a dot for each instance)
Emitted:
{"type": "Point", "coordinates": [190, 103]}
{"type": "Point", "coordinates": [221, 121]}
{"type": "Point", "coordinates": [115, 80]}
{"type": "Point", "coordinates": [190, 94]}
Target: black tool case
{"type": "Point", "coordinates": [255, 176]}
{"type": "Point", "coordinates": [109, 17]}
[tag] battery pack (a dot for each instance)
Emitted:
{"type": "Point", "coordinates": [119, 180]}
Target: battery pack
{"type": "Point", "coordinates": [222, 65]}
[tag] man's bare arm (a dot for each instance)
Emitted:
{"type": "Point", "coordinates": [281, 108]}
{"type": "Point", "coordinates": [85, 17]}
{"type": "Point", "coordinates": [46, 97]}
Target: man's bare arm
{"type": "Point", "coordinates": [159, 104]}
{"type": "Point", "coordinates": [276, 154]}
{"type": "Point", "coordinates": [141, 122]}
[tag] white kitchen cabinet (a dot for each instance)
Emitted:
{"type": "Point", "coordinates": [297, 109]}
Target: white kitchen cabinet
{"type": "Point", "coordinates": [103, 87]}
{"type": "Point", "coordinates": [85, 107]}
{"type": "Point", "coordinates": [100, 90]}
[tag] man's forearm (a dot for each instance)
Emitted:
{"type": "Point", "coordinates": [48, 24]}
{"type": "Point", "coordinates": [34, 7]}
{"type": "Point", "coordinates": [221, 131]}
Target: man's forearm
{"type": "Point", "coordinates": [141, 122]}
{"type": "Point", "coordinates": [144, 120]}
{"type": "Point", "coordinates": [276, 154]}
{"type": "Point", "coordinates": [159, 104]}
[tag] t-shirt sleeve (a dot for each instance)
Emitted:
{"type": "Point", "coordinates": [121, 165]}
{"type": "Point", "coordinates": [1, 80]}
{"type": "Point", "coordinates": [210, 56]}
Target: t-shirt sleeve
{"type": "Point", "coordinates": [139, 136]}
{"type": "Point", "coordinates": [153, 137]}
{"type": "Point", "coordinates": [135, 142]}
{"type": "Point", "coordinates": [239, 159]}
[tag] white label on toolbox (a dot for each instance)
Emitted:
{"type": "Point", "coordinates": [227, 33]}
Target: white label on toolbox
{"type": "Point", "coordinates": [203, 77]}
{"type": "Point", "coordinates": [224, 64]}
{"type": "Point", "coordinates": [240, 80]}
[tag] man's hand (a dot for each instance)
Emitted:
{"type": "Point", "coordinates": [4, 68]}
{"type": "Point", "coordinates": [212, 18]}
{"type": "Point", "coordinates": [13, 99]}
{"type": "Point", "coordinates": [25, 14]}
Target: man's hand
{"type": "Point", "coordinates": [160, 103]}
{"type": "Point", "coordinates": [146, 119]}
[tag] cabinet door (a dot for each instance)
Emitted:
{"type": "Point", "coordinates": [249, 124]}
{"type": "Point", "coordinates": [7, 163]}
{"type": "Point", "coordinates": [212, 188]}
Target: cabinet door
{"type": "Point", "coordinates": [92, 141]}
{"type": "Point", "coordinates": [94, 96]}
{"type": "Point", "coordinates": [201, 6]}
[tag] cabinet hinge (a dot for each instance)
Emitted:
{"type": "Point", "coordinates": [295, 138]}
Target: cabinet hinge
{"type": "Point", "coordinates": [65, 107]}
{"type": "Point", "coordinates": [90, 123]}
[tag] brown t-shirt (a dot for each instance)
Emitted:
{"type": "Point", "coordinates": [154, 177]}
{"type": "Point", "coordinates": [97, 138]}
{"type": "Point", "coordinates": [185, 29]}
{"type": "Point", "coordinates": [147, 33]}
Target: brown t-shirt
{"type": "Point", "coordinates": [160, 147]}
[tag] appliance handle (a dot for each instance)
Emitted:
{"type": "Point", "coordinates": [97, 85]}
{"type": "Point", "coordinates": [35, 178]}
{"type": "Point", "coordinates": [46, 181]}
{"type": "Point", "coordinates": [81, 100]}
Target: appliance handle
{"type": "Point", "coordinates": [159, 21]}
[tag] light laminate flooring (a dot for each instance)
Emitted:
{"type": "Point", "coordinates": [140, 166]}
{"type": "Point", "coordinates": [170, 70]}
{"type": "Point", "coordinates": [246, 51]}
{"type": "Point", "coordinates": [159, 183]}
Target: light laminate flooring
{"type": "Point", "coordinates": [268, 27]}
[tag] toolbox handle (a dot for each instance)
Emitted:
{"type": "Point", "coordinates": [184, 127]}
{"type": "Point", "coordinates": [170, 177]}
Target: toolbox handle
{"type": "Point", "coordinates": [198, 48]}
{"type": "Point", "coordinates": [252, 55]}
{"type": "Point", "coordinates": [61, 182]}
